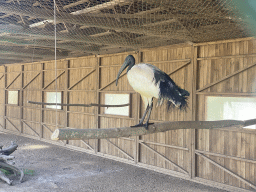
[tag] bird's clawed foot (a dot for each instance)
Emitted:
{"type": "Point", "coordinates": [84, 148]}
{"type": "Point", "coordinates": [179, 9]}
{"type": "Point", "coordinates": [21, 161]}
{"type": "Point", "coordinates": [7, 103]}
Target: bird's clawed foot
{"type": "Point", "coordinates": [142, 125]}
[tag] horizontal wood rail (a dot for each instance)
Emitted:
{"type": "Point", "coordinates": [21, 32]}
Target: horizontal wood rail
{"type": "Point", "coordinates": [226, 156]}
{"type": "Point", "coordinates": [78, 134]}
{"type": "Point", "coordinates": [79, 105]}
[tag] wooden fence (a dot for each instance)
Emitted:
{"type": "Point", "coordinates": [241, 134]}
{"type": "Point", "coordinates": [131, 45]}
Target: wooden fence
{"type": "Point", "coordinates": [226, 156]}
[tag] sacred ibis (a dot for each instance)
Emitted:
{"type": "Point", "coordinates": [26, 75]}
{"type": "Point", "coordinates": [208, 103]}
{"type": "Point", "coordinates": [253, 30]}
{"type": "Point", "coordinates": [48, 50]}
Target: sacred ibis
{"type": "Point", "coordinates": [150, 82]}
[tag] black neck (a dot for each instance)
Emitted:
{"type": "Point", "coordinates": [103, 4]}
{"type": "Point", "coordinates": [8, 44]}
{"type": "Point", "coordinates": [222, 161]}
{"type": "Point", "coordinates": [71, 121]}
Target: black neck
{"type": "Point", "coordinates": [130, 66]}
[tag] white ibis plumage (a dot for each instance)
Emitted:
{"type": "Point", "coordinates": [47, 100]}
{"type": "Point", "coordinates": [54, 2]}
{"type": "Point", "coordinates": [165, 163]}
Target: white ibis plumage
{"type": "Point", "coordinates": [150, 82]}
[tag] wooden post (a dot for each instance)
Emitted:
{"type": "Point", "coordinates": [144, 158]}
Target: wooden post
{"type": "Point", "coordinates": [97, 111]}
{"type": "Point", "coordinates": [66, 93]}
{"type": "Point", "coordinates": [193, 132]}
{"type": "Point", "coordinates": [137, 118]}
{"type": "Point", "coordinates": [21, 102]}
{"type": "Point", "coordinates": [42, 100]}
{"type": "Point", "coordinates": [5, 96]}
{"type": "Point", "coordinates": [78, 134]}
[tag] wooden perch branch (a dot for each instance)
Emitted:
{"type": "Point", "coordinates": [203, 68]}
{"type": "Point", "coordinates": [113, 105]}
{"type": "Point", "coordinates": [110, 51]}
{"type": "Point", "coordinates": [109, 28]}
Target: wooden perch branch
{"type": "Point", "coordinates": [4, 178]}
{"type": "Point", "coordinates": [6, 166]}
{"type": "Point", "coordinates": [80, 105]}
{"type": "Point", "coordinates": [78, 134]}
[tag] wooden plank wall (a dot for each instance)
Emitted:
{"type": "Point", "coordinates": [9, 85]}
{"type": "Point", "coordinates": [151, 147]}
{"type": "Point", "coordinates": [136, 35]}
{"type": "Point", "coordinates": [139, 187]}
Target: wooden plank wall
{"type": "Point", "coordinates": [172, 145]}
{"type": "Point", "coordinates": [109, 66]}
{"type": "Point", "coordinates": [215, 68]}
{"type": "Point", "coordinates": [226, 69]}
{"type": "Point", "coordinates": [2, 96]}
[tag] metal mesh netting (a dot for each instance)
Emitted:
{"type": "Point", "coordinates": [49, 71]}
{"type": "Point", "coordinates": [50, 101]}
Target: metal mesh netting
{"type": "Point", "coordinates": [86, 27]}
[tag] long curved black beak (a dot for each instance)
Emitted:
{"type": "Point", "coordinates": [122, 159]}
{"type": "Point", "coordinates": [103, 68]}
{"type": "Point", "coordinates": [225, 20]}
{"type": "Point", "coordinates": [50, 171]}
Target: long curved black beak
{"type": "Point", "coordinates": [121, 70]}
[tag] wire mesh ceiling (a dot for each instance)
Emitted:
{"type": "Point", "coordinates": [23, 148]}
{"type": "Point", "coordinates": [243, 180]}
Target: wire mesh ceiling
{"type": "Point", "coordinates": [86, 27]}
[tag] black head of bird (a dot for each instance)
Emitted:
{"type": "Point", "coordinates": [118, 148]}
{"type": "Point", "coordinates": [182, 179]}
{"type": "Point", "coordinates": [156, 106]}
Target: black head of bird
{"type": "Point", "coordinates": [128, 62]}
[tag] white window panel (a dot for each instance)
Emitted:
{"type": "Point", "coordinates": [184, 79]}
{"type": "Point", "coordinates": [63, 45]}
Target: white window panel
{"type": "Point", "coordinates": [13, 97]}
{"type": "Point", "coordinates": [117, 99]}
{"type": "Point", "coordinates": [52, 97]}
{"type": "Point", "coordinates": [237, 108]}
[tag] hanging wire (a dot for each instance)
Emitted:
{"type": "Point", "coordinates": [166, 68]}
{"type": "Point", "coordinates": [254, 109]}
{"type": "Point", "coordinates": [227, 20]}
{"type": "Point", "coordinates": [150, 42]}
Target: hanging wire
{"type": "Point", "coordinates": [55, 62]}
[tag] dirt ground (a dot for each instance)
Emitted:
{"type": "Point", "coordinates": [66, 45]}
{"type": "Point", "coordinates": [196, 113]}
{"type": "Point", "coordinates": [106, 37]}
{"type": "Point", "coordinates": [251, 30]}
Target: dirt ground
{"type": "Point", "coordinates": [61, 170]}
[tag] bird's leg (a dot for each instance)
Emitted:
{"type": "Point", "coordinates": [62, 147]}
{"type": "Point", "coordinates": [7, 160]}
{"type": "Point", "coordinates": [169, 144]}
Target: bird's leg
{"type": "Point", "coordinates": [148, 110]}
{"type": "Point", "coordinates": [142, 119]}
{"type": "Point", "coordinates": [149, 113]}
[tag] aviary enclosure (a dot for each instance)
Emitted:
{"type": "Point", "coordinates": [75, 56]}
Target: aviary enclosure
{"type": "Point", "coordinates": [211, 68]}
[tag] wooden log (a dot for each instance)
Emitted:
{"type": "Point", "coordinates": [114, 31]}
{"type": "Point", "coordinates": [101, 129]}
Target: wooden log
{"type": "Point", "coordinates": [81, 134]}
{"type": "Point", "coordinates": [7, 166]}
{"type": "Point", "coordinates": [9, 150]}
{"type": "Point", "coordinates": [4, 178]}
{"type": "Point", "coordinates": [5, 158]}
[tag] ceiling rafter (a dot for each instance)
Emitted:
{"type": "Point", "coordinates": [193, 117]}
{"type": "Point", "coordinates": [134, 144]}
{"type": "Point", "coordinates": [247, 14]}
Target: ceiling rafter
{"type": "Point", "coordinates": [97, 8]}
{"type": "Point", "coordinates": [86, 27]}
{"type": "Point", "coordinates": [75, 4]}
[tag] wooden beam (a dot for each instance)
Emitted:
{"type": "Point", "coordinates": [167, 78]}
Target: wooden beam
{"type": "Point", "coordinates": [43, 42]}
{"type": "Point", "coordinates": [184, 65]}
{"type": "Point", "coordinates": [225, 57]}
{"type": "Point", "coordinates": [97, 8]}
{"type": "Point", "coordinates": [193, 132]}
{"type": "Point", "coordinates": [97, 100]}
{"type": "Point", "coordinates": [102, 34]}
{"type": "Point", "coordinates": [225, 41]}
{"type": "Point", "coordinates": [24, 87]}
{"type": "Point", "coordinates": [111, 82]}
{"type": "Point", "coordinates": [165, 61]}
{"type": "Point", "coordinates": [227, 170]}
{"type": "Point", "coordinates": [13, 81]}
{"type": "Point", "coordinates": [2, 76]}
{"type": "Point", "coordinates": [53, 80]}
{"type": "Point", "coordinates": [21, 99]}
{"type": "Point", "coordinates": [89, 19]}
{"type": "Point", "coordinates": [41, 23]}
{"type": "Point", "coordinates": [226, 156]}
{"type": "Point", "coordinates": [4, 16]}
{"type": "Point", "coordinates": [30, 128]}
{"type": "Point", "coordinates": [79, 105]}
{"type": "Point", "coordinates": [78, 134]}
{"type": "Point", "coordinates": [225, 78]}
{"type": "Point", "coordinates": [165, 158]}
{"type": "Point", "coordinates": [164, 145]}
{"type": "Point", "coordinates": [226, 93]}
{"type": "Point", "coordinates": [71, 87]}
{"type": "Point", "coordinates": [42, 100]}
{"type": "Point", "coordinates": [12, 124]}
{"type": "Point", "coordinates": [160, 22]}
{"type": "Point", "coordinates": [44, 125]}
{"type": "Point", "coordinates": [141, 13]}
{"type": "Point", "coordinates": [75, 4]}
{"type": "Point", "coordinates": [16, 55]}
{"type": "Point", "coordinates": [122, 151]}
{"type": "Point", "coordinates": [87, 145]}
{"type": "Point", "coordinates": [5, 96]}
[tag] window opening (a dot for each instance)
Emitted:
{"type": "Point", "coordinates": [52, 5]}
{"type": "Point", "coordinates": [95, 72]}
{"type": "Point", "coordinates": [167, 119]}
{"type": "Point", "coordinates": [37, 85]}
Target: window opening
{"type": "Point", "coordinates": [52, 97]}
{"type": "Point", "coordinates": [13, 97]}
{"type": "Point", "coordinates": [117, 99]}
{"type": "Point", "coordinates": [237, 108]}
